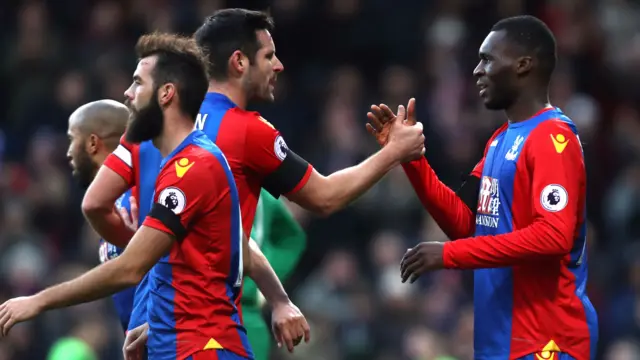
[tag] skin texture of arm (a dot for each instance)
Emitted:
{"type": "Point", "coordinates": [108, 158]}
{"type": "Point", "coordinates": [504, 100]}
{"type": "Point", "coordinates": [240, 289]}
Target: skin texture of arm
{"type": "Point", "coordinates": [145, 249]}
{"type": "Point", "coordinates": [99, 210]}
{"type": "Point", "coordinates": [327, 194]}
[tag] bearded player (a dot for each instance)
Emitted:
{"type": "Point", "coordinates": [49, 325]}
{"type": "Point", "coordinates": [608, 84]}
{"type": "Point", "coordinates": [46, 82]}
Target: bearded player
{"type": "Point", "coordinates": [94, 132]}
{"type": "Point", "coordinates": [193, 231]}
{"type": "Point", "coordinates": [519, 220]}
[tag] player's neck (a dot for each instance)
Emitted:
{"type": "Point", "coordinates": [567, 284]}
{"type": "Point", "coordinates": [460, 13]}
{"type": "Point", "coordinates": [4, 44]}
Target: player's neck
{"type": "Point", "coordinates": [234, 92]}
{"type": "Point", "coordinates": [526, 106]}
{"type": "Point", "coordinates": [175, 129]}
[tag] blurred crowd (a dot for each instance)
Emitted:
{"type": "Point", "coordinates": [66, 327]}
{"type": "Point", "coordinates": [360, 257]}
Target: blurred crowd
{"type": "Point", "coordinates": [340, 56]}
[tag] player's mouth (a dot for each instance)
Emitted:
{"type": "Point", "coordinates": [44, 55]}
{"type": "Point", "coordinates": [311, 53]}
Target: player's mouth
{"type": "Point", "coordinates": [483, 88]}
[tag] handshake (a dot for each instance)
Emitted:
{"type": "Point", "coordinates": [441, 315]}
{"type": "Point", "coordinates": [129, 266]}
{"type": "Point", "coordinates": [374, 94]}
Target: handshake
{"type": "Point", "coordinates": [398, 133]}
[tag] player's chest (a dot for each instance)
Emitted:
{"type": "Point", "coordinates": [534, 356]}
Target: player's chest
{"type": "Point", "coordinates": [504, 156]}
{"type": "Point", "coordinates": [497, 184]}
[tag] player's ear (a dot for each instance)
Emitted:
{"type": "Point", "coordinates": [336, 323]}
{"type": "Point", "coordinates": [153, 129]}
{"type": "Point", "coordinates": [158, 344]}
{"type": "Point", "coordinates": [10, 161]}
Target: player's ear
{"type": "Point", "coordinates": [238, 62]}
{"type": "Point", "coordinates": [92, 144]}
{"type": "Point", "coordinates": [166, 93]}
{"type": "Point", "coordinates": [524, 64]}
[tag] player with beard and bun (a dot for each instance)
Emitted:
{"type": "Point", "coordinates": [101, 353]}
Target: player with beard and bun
{"type": "Point", "coordinates": [193, 231]}
{"type": "Point", "coordinates": [94, 131]}
{"type": "Point", "coordinates": [519, 220]}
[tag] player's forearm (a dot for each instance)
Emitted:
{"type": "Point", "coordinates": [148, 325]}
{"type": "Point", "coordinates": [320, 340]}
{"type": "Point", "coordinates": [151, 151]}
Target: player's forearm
{"type": "Point", "coordinates": [265, 277]}
{"type": "Point", "coordinates": [99, 282]}
{"type": "Point", "coordinates": [449, 211]}
{"type": "Point", "coordinates": [108, 224]}
{"type": "Point", "coordinates": [342, 187]}
{"type": "Point", "coordinates": [540, 240]}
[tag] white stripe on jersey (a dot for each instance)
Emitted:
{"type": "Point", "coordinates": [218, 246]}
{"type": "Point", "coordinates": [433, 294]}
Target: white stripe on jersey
{"type": "Point", "coordinates": [124, 154]}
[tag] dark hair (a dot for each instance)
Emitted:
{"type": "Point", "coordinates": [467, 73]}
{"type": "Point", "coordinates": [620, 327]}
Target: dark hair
{"type": "Point", "coordinates": [179, 61]}
{"type": "Point", "coordinates": [534, 37]}
{"type": "Point", "coordinates": [229, 30]}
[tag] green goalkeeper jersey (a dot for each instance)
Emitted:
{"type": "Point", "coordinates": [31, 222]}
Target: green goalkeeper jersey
{"type": "Point", "coordinates": [281, 239]}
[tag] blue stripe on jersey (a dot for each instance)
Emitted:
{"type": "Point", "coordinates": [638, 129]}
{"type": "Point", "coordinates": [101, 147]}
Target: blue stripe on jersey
{"type": "Point", "coordinates": [212, 110]}
{"type": "Point", "coordinates": [578, 266]}
{"type": "Point", "coordinates": [493, 288]}
{"type": "Point", "coordinates": [148, 168]}
{"type": "Point", "coordinates": [123, 300]}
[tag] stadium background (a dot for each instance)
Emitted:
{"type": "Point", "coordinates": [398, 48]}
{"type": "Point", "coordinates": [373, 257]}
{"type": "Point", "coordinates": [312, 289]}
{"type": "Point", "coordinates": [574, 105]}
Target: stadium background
{"type": "Point", "coordinates": [340, 56]}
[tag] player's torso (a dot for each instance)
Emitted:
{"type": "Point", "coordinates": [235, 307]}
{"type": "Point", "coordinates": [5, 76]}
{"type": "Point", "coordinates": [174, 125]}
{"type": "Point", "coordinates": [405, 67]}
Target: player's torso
{"type": "Point", "coordinates": [515, 315]}
{"type": "Point", "coordinates": [226, 126]}
{"type": "Point", "coordinates": [192, 293]}
{"type": "Point", "coordinates": [123, 300]}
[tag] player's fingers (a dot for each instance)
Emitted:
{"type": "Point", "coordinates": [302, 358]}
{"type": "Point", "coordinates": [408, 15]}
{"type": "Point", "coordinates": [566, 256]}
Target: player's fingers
{"type": "Point", "coordinates": [125, 216]}
{"type": "Point", "coordinates": [376, 117]}
{"type": "Point", "coordinates": [411, 111]}
{"type": "Point", "coordinates": [7, 326]}
{"type": "Point", "coordinates": [286, 337]}
{"type": "Point", "coordinates": [413, 278]}
{"type": "Point", "coordinates": [134, 210]}
{"type": "Point", "coordinates": [387, 113]}
{"type": "Point", "coordinates": [306, 329]}
{"type": "Point", "coordinates": [401, 115]}
{"type": "Point", "coordinates": [370, 129]}
{"type": "Point", "coordinates": [413, 269]}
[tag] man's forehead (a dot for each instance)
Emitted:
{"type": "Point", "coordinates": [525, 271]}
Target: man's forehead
{"type": "Point", "coordinates": [265, 39]}
{"type": "Point", "coordinates": [494, 43]}
{"type": "Point", "coordinates": [145, 65]}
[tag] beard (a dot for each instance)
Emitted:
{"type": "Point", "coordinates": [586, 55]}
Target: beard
{"type": "Point", "coordinates": [145, 123]}
{"type": "Point", "coordinates": [85, 169]}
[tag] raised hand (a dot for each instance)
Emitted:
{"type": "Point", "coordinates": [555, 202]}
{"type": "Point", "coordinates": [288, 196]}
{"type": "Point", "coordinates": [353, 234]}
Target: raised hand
{"type": "Point", "coordinates": [381, 117]}
{"type": "Point", "coordinates": [405, 142]}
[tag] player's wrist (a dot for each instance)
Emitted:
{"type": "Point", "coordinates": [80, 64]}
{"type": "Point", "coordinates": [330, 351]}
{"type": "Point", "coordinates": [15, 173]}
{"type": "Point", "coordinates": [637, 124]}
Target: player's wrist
{"type": "Point", "coordinates": [41, 302]}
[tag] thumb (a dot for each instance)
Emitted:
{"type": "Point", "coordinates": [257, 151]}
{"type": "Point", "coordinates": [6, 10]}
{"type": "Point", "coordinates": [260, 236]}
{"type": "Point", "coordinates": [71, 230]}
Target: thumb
{"type": "Point", "coordinates": [411, 111]}
{"type": "Point", "coordinates": [137, 342]}
{"type": "Point", "coordinates": [402, 113]}
{"type": "Point", "coordinates": [134, 209]}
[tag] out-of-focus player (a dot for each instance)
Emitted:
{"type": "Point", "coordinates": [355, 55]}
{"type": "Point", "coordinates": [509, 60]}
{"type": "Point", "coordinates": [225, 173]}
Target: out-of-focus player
{"type": "Point", "coordinates": [282, 240]}
{"type": "Point", "coordinates": [519, 220]}
{"type": "Point", "coordinates": [244, 68]}
{"type": "Point", "coordinates": [94, 132]}
{"type": "Point", "coordinates": [193, 231]}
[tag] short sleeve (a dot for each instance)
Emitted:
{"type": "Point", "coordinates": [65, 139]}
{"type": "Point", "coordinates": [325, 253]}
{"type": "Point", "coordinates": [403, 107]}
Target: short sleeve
{"type": "Point", "coordinates": [267, 154]}
{"type": "Point", "coordinates": [184, 190]}
{"type": "Point", "coordinates": [122, 161]}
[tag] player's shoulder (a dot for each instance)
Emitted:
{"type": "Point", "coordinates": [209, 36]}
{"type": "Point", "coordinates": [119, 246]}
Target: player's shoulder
{"type": "Point", "coordinates": [555, 134]}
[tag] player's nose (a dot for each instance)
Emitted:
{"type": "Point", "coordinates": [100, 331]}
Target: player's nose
{"type": "Point", "coordinates": [278, 66]}
{"type": "Point", "coordinates": [479, 70]}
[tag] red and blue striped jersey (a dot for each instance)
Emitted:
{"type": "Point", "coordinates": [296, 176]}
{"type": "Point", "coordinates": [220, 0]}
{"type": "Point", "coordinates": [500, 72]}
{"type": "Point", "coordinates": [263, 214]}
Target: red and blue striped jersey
{"type": "Point", "coordinates": [194, 288]}
{"type": "Point", "coordinates": [527, 243]}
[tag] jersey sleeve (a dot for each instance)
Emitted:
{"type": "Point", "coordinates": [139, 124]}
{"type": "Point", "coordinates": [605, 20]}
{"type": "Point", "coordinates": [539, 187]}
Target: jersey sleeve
{"type": "Point", "coordinates": [180, 194]}
{"type": "Point", "coordinates": [121, 160]}
{"type": "Point", "coordinates": [267, 154]}
{"type": "Point", "coordinates": [553, 158]}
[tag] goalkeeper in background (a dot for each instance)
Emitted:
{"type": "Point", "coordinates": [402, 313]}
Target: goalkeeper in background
{"type": "Point", "coordinates": [282, 241]}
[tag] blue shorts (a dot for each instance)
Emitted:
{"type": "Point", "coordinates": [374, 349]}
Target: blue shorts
{"type": "Point", "coordinates": [215, 355]}
{"type": "Point", "coordinates": [549, 356]}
